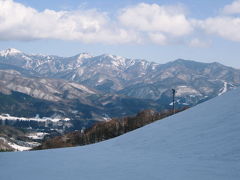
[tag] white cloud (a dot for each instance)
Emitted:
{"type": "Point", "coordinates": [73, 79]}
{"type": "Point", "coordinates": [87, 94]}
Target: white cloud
{"type": "Point", "coordinates": [169, 20]}
{"type": "Point", "coordinates": [142, 22]}
{"type": "Point", "coordinates": [225, 27]}
{"type": "Point", "coordinates": [25, 23]}
{"type": "Point", "coordinates": [196, 42]}
{"type": "Point", "coordinates": [233, 8]}
{"type": "Point", "coordinates": [158, 38]}
{"type": "Point", "coordinates": [137, 24]}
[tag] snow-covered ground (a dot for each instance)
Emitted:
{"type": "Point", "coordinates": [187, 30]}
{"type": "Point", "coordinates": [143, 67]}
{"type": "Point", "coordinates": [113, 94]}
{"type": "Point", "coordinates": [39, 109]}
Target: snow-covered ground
{"type": "Point", "coordinates": [14, 118]}
{"type": "Point", "coordinates": [37, 135]}
{"type": "Point", "coordinates": [17, 147]}
{"type": "Point", "coordinates": [185, 90]}
{"type": "Point", "coordinates": [201, 143]}
{"type": "Point", "coordinates": [224, 89]}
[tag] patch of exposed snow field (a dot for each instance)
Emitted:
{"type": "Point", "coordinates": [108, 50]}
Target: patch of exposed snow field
{"type": "Point", "coordinates": [37, 135]}
{"type": "Point", "coordinates": [17, 147]}
{"type": "Point", "coordinates": [224, 89]}
{"type": "Point", "coordinates": [44, 119]}
{"type": "Point", "coordinates": [201, 143]}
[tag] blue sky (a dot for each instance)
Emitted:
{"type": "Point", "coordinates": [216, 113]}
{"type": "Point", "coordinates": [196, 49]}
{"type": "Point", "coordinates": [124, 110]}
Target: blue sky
{"type": "Point", "coordinates": [158, 31]}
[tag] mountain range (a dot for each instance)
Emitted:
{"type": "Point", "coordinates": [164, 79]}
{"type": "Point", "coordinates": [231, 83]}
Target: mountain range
{"type": "Point", "coordinates": [95, 88]}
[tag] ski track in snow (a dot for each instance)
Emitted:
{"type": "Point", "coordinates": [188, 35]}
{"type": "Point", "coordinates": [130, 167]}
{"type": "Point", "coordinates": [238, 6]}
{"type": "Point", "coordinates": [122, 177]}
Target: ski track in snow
{"type": "Point", "coordinates": [224, 89]}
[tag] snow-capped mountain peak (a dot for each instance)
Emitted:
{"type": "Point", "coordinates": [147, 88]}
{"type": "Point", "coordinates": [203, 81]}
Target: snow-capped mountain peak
{"type": "Point", "coordinates": [118, 61]}
{"type": "Point", "coordinates": [84, 56]}
{"type": "Point", "coordinates": [9, 52]}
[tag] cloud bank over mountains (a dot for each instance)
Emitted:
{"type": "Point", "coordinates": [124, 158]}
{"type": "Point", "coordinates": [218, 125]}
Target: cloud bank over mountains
{"type": "Point", "coordinates": [138, 24]}
{"type": "Point", "coordinates": [233, 8]}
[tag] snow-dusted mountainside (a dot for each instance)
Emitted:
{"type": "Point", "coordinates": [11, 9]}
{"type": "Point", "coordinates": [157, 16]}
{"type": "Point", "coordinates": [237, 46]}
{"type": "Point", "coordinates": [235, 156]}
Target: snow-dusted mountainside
{"type": "Point", "coordinates": [83, 68]}
{"type": "Point", "coordinates": [42, 88]}
{"type": "Point", "coordinates": [199, 143]}
{"type": "Point", "coordinates": [24, 97]}
{"type": "Point", "coordinates": [195, 82]}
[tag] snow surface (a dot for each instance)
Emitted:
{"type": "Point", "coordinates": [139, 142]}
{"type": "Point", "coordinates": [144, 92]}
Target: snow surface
{"type": "Point", "coordinates": [10, 51]}
{"type": "Point", "coordinates": [17, 147]}
{"type": "Point", "coordinates": [224, 89]}
{"type": "Point", "coordinates": [84, 88]}
{"type": "Point", "coordinates": [201, 143]}
{"type": "Point", "coordinates": [44, 119]}
{"type": "Point", "coordinates": [84, 56]}
{"type": "Point", "coordinates": [185, 90]}
{"type": "Point", "coordinates": [37, 135]}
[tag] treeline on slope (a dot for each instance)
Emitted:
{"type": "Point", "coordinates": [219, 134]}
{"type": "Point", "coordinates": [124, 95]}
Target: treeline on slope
{"type": "Point", "coordinates": [105, 130]}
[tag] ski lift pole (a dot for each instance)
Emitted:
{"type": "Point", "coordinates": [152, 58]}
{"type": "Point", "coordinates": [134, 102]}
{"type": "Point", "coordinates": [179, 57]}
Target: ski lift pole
{"type": "Point", "coordinates": [173, 107]}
